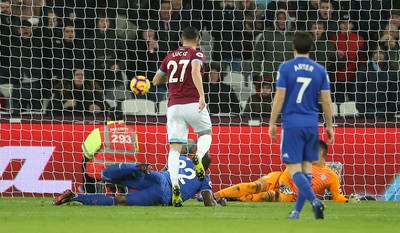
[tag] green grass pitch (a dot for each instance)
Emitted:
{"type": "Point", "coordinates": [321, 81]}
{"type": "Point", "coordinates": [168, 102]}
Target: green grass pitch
{"type": "Point", "coordinates": [38, 215]}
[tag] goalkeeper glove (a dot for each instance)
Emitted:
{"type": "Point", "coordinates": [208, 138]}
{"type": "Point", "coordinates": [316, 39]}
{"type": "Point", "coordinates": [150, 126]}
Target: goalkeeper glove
{"type": "Point", "coordinates": [285, 190]}
{"type": "Point", "coordinates": [353, 198]}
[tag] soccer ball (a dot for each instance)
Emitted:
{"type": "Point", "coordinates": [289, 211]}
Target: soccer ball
{"type": "Point", "coordinates": [140, 85]}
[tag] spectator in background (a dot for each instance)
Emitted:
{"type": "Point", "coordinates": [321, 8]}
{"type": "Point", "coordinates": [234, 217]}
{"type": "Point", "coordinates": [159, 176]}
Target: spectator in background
{"type": "Point", "coordinates": [260, 104]}
{"type": "Point", "coordinates": [109, 59]}
{"type": "Point", "coordinates": [5, 41]}
{"type": "Point", "coordinates": [290, 7]}
{"type": "Point", "coordinates": [78, 96]}
{"type": "Point", "coordinates": [389, 42]}
{"type": "Point", "coordinates": [185, 14]}
{"type": "Point", "coordinates": [67, 51]}
{"type": "Point", "coordinates": [27, 72]}
{"type": "Point", "coordinates": [5, 12]}
{"type": "Point", "coordinates": [324, 50]}
{"type": "Point", "coordinates": [349, 46]}
{"type": "Point", "coordinates": [323, 11]}
{"type": "Point", "coordinates": [377, 87]}
{"type": "Point", "coordinates": [80, 14]}
{"type": "Point", "coordinates": [273, 48]}
{"type": "Point", "coordinates": [51, 29]}
{"type": "Point", "coordinates": [307, 11]}
{"type": "Point", "coordinates": [147, 59]}
{"type": "Point", "coordinates": [253, 26]}
{"type": "Point", "coordinates": [167, 29]}
{"type": "Point", "coordinates": [220, 96]}
{"type": "Point", "coordinates": [395, 18]}
{"type": "Point", "coordinates": [51, 25]}
{"type": "Point", "coordinates": [327, 14]}
{"type": "Point", "coordinates": [27, 10]}
{"type": "Point", "coordinates": [227, 32]}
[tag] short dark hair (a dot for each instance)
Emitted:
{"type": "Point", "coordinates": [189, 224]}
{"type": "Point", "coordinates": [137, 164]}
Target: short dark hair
{"type": "Point", "coordinates": [395, 12]}
{"type": "Point", "coordinates": [312, 23]}
{"type": "Point", "coordinates": [190, 34]}
{"type": "Point", "coordinates": [324, 147]}
{"type": "Point", "coordinates": [302, 42]}
{"type": "Point", "coordinates": [115, 114]}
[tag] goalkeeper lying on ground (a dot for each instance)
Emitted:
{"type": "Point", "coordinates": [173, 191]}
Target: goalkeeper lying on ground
{"type": "Point", "coordinates": [279, 186]}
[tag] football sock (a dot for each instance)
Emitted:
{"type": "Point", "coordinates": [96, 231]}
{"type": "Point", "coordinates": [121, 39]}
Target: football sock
{"type": "Point", "coordinates": [203, 145]}
{"type": "Point", "coordinates": [301, 200]}
{"type": "Point", "coordinates": [238, 190]}
{"type": "Point", "coordinates": [95, 199]}
{"type": "Point", "coordinates": [304, 186]}
{"type": "Point", "coordinates": [173, 166]}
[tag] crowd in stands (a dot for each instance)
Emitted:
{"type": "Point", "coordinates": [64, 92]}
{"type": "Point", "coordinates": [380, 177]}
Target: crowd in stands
{"type": "Point", "coordinates": [81, 54]}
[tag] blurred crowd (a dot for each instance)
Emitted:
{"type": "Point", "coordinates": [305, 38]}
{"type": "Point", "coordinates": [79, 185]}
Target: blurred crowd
{"type": "Point", "coordinates": [80, 55]}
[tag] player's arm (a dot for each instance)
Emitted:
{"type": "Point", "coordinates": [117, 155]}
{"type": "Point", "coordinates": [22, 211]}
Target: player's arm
{"type": "Point", "coordinates": [325, 96]}
{"type": "Point", "coordinates": [208, 199]}
{"type": "Point", "coordinates": [335, 190]}
{"type": "Point", "coordinates": [198, 82]}
{"type": "Point", "coordinates": [159, 78]}
{"type": "Point", "coordinates": [327, 108]}
{"type": "Point", "coordinates": [277, 105]}
{"type": "Point", "coordinates": [92, 144]}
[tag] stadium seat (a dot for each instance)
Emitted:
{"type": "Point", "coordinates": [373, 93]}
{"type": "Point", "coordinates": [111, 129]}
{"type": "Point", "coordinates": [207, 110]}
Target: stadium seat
{"type": "Point", "coordinates": [5, 90]}
{"type": "Point", "coordinates": [243, 104]}
{"type": "Point", "coordinates": [335, 112]}
{"type": "Point", "coordinates": [138, 107]}
{"type": "Point", "coordinates": [206, 44]}
{"type": "Point", "coordinates": [243, 88]}
{"type": "Point", "coordinates": [162, 107]}
{"type": "Point", "coordinates": [348, 109]}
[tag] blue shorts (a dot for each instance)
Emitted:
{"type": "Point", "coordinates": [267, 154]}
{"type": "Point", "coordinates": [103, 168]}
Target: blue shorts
{"type": "Point", "coordinates": [300, 144]}
{"type": "Point", "coordinates": [153, 189]}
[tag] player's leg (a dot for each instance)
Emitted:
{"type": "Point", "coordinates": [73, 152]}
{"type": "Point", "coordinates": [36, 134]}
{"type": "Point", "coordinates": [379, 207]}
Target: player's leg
{"type": "Point", "coordinates": [177, 135]}
{"type": "Point", "coordinates": [88, 199]}
{"type": "Point", "coordinates": [124, 171]}
{"type": "Point", "coordinates": [292, 155]}
{"type": "Point", "coordinates": [242, 189]}
{"type": "Point", "coordinates": [268, 196]}
{"type": "Point", "coordinates": [173, 168]}
{"type": "Point", "coordinates": [311, 154]}
{"type": "Point", "coordinates": [145, 197]}
{"type": "Point", "coordinates": [201, 124]}
{"type": "Point", "coordinates": [152, 189]}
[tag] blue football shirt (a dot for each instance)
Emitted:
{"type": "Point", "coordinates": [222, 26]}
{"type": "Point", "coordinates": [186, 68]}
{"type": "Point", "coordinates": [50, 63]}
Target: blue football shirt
{"type": "Point", "coordinates": [303, 80]}
{"type": "Point", "coordinates": [188, 181]}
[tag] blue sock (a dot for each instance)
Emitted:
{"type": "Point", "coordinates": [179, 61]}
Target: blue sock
{"type": "Point", "coordinates": [304, 186]}
{"type": "Point", "coordinates": [301, 200]}
{"type": "Point", "coordinates": [95, 199]}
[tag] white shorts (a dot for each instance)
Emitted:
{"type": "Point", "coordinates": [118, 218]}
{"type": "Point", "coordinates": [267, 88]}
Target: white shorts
{"type": "Point", "coordinates": [181, 116]}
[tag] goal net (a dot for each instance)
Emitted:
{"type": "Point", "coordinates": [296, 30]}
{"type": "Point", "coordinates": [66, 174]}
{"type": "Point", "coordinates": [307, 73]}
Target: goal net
{"type": "Point", "coordinates": [65, 63]}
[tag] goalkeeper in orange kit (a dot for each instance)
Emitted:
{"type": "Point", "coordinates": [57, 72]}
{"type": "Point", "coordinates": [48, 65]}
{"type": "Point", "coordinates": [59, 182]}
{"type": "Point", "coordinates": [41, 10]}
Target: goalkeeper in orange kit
{"type": "Point", "coordinates": [279, 186]}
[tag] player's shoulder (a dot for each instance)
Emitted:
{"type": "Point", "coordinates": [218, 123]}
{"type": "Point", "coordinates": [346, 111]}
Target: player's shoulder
{"type": "Point", "coordinates": [197, 53]}
{"type": "Point", "coordinates": [285, 64]}
{"type": "Point", "coordinates": [318, 66]}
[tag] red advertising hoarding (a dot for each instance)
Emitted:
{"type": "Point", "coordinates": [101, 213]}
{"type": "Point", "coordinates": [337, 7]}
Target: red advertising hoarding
{"type": "Point", "coordinates": [36, 159]}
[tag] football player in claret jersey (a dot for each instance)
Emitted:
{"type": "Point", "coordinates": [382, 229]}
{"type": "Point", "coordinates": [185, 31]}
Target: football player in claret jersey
{"type": "Point", "coordinates": [183, 70]}
{"type": "Point", "coordinates": [300, 83]}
